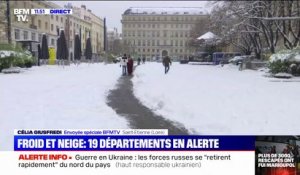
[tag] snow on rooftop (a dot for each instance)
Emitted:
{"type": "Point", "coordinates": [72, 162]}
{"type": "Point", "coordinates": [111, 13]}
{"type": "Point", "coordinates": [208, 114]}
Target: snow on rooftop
{"type": "Point", "coordinates": [208, 36]}
{"type": "Point", "coordinates": [167, 10]}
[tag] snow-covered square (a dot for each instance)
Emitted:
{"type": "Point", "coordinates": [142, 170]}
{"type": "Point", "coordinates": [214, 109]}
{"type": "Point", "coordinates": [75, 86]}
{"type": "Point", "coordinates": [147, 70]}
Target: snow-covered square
{"type": "Point", "coordinates": [56, 97]}
{"type": "Point", "coordinates": [204, 99]}
{"type": "Point", "coordinates": [220, 100]}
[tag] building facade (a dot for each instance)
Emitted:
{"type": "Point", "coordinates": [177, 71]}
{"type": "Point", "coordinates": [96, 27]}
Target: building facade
{"type": "Point", "coordinates": [90, 26]}
{"type": "Point", "coordinates": [152, 33]}
{"type": "Point", "coordinates": [82, 20]}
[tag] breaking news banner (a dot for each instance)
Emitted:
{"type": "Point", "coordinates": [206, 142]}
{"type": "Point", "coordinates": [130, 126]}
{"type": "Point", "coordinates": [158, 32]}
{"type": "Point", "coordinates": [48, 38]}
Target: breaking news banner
{"type": "Point", "coordinates": [22, 14]}
{"type": "Point", "coordinates": [132, 151]}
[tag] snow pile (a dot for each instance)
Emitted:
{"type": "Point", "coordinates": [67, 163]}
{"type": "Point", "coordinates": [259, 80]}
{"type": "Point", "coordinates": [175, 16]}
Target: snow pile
{"type": "Point", "coordinates": [288, 55]}
{"type": "Point", "coordinates": [219, 100]}
{"type": "Point", "coordinates": [6, 53]}
{"type": "Point", "coordinates": [11, 70]}
{"type": "Point", "coordinates": [57, 97]}
{"type": "Point", "coordinates": [280, 56]}
{"type": "Point", "coordinates": [283, 75]}
{"type": "Point", "coordinates": [200, 63]}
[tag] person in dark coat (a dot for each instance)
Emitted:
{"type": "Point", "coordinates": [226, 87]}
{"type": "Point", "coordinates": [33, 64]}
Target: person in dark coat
{"type": "Point", "coordinates": [144, 60]}
{"type": "Point", "coordinates": [130, 65]}
{"type": "Point", "coordinates": [167, 62]}
{"type": "Point", "coordinates": [139, 61]}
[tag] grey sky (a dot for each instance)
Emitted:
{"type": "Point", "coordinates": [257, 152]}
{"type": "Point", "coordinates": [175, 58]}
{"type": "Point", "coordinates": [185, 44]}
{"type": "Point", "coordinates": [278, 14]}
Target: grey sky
{"type": "Point", "coordinates": [113, 10]}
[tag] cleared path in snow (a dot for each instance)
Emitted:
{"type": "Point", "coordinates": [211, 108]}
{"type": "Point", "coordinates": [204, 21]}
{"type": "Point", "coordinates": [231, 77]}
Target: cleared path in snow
{"type": "Point", "coordinates": [126, 104]}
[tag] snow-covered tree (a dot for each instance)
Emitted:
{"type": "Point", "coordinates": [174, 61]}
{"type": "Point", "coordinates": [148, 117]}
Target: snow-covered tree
{"type": "Point", "coordinates": [258, 25]}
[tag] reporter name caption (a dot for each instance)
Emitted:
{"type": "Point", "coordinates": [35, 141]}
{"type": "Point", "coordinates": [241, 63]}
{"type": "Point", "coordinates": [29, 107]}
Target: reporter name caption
{"type": "Point", "coordinates": [113, 153]}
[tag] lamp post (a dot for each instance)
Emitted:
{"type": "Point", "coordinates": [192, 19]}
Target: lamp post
{"type": "Point", "coordinates": [8, 21]}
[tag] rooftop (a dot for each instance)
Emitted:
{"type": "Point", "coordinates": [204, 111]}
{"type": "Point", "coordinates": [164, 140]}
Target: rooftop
{"type": "Point", "coordinates": [166, 11]}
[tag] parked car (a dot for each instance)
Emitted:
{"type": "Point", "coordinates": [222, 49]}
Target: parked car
{"type": "Point", "coordinates": [223, 57]}
{"type": "Point", "coordinates": [118, 59]}
{"type": "Point", "coordinates": [238, 59]}
{"type": "Point", "coordinates": [183, 61]}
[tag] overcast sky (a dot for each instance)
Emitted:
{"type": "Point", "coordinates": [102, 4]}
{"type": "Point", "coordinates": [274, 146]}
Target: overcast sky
{"type": "Point", "coordinates": [113, 10]}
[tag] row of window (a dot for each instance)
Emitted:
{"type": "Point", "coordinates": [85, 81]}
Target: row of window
{"type": "Point", "coordinates": [52, 29]}
{"type": "Point", "coordinates": [66, 21]}
{"type": "Point", "coordinates": [156, 42]}
{"type": "Point", "coordinates": [164, 33]}
{"type": "Point", "coordinates": [27, 35]}
{"type": "Point", "coordinates": [162, 18]}
{"type": "Point", "coordinates": [57, 18]}
{"type": "Point", "coordinates": [26, 4]}
{"type": "Point", "coordinates": [149, 57]}
{"type": "Point", "coordinates": [157, 50]}
{"type": "Point", "coordinates": [157, 26]}
{"type": "Point", "coordinates": [45, 25]}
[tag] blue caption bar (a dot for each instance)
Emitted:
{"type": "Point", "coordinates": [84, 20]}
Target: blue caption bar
{"type": "Point", "coordinates": [133, 143]}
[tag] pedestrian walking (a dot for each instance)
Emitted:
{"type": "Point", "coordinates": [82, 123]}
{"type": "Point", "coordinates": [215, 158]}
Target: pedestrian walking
{"type": "Point", "coordinates": [123, 64]}
{"type": "Point", "coordinates": [240, 64]}
{"type": "Point", "coordinates": [139, 61]}
{"type": "Point", "coordinates": [130, 65]}
{"type": "Point", "coordinates": [144, 60]}
{"type": "Point", "coordinates": [167, 62]}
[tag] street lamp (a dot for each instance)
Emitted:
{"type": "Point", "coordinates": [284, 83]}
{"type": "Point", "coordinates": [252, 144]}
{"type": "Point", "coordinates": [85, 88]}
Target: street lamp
{"type": "Point", "coordinates": [8, 21]}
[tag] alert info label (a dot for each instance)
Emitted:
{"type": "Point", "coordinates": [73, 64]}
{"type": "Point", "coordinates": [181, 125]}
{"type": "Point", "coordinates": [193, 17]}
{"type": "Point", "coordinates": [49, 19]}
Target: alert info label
{"type": "Point", "coordinates": [128, 162]}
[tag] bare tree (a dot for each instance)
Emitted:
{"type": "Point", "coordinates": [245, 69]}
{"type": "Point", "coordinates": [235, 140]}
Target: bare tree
{"type": "Point", "coordinates": [227, 23]}
{"type": "Point", "coordinates": [288, 22]}
{"type": "Point", "coordinates": [201, 26]}
{"type": "Point", "coordinates": [117, 47]}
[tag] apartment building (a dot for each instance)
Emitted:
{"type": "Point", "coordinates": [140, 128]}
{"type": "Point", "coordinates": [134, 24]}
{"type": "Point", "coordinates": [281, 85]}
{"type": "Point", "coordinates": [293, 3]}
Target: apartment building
{"type": "Point", "coordinates": [152, 33]}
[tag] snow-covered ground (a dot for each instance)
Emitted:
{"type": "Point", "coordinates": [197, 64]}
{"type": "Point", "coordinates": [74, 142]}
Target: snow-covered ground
{"type": "Point", "coordinates": [56, 97]}
{"type": "Point", "coordinates": [220, 100]}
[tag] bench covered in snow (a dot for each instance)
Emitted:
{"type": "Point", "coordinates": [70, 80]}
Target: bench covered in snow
{"type": "Point", "coordinates": [200, 63]}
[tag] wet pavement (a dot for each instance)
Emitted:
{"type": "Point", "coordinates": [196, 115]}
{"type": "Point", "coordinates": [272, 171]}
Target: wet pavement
{"type": "Point", "coordinates": [126, 104]}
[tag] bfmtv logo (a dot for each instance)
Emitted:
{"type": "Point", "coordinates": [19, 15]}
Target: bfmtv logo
{"type": "Point", "coordinates": [21, 14]}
